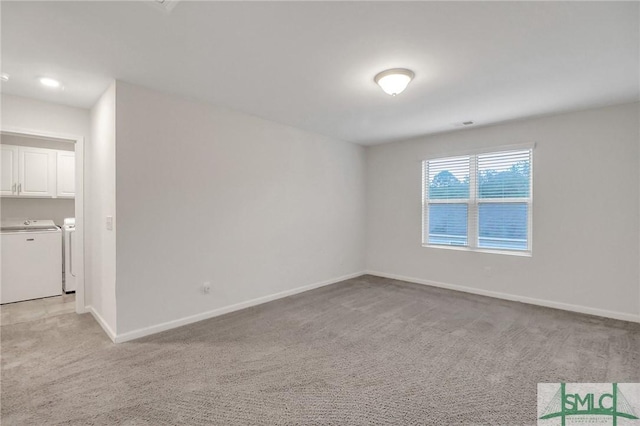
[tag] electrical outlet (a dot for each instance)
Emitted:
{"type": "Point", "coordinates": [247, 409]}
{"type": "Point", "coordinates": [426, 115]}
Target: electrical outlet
{"type": "Point", "coordinates": [206, 287]}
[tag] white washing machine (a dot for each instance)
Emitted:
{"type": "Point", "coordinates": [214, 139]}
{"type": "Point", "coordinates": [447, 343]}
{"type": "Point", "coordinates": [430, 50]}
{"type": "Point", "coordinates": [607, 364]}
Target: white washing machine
{"type": "Point", "coordinates": [31, 260]}
{"type": "Point", "coordinates": [68, 253]}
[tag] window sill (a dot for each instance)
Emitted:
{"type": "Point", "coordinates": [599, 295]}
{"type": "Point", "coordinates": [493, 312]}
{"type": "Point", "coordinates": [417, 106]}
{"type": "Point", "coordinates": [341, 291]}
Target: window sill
{"type": "Point", "coordinates": [480, 250]}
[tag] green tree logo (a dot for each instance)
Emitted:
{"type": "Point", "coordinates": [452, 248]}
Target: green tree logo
{"type": "Point", "coordinates": [564, 404]}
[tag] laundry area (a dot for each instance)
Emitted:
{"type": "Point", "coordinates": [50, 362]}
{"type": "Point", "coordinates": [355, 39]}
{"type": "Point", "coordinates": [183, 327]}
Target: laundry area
{"type": "Point", "coordinates": [37, 235]}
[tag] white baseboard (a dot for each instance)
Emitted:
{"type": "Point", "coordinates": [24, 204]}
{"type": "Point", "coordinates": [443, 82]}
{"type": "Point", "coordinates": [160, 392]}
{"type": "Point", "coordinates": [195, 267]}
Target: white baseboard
{"type": "Point", "coordinates": [102, 323]}
{"type": "Point", "coordinates": [136, 334]}
{"type": "Point", "coordinates": [512, 297]}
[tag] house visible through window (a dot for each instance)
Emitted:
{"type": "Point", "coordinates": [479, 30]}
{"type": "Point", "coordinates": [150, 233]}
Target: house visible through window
{"type": "Point", "coordinates": [479, 202]}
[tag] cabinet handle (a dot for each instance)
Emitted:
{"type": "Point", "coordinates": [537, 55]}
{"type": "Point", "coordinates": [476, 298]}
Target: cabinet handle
{"type": "Point", "coordinates": [19, 188]}
{"type": "Point", "coordinates": [13, 188]}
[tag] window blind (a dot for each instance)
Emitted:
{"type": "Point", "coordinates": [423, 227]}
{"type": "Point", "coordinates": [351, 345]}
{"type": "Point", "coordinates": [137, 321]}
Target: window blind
{"type": "Point", "coordinates": [447, 184]}
{"type": "Point", "coordinates": [479, 201]}
{"type": "Point", "coordinates": [504, 189]}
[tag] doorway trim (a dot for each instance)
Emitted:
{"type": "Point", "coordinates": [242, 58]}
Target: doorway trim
{"type": "Point", "coordinates": [79, 198]}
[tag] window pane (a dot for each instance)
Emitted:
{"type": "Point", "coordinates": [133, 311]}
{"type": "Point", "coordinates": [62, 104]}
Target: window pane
{"type": "Point", "coordinates": [448, 178]}
{"type": "Point", "coordinates": [504, 174]}
{"type": "Point", "coordinates": [448, 224]}
{"type": "Point", "coordinates": [503, 225]}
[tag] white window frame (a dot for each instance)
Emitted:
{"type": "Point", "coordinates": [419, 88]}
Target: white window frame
{"type": "Point", "coordinates": [473, 202]}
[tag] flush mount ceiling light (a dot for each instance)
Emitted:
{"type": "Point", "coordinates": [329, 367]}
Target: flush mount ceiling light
{"type": "Point", "coordinates": [394, 81]}
{"type": "Point", "coordinates": [49, 82]}
{"type": "Point", "coordinates": [4, 77]}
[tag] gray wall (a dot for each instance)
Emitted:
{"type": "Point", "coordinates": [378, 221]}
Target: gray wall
{"type": "Point", "coordinates": [101, 169]}
{"type": "Point", "coordinates": [206, 194]}
{"type": "Point", "coordinates": [585, 212]}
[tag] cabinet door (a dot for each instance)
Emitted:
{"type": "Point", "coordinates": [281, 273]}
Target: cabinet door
{"type": "Point", "coordinates": [9, 170]}
{"type": "Point", "coordinates": [66, 174]}
{"type": "Point", "coordinates": [37, 172]}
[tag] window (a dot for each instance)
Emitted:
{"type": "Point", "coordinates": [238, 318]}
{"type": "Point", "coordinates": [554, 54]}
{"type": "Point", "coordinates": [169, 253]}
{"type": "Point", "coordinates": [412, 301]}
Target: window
{"type": "Point", "coordinates": [478, 202]}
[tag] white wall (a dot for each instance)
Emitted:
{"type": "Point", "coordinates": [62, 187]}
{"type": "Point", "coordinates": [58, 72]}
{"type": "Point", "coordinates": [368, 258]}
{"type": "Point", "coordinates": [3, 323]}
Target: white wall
{"type": "Point", "coordinates": [19, 112]}
{"type": "Point", "coordinates": [101, 293]}
{"type": "Point", "coordinates": [56, 209]}
{"type": "Point", "coordinates": [585, 212]}
{"type": "Point", "coordinates": [206, 194]}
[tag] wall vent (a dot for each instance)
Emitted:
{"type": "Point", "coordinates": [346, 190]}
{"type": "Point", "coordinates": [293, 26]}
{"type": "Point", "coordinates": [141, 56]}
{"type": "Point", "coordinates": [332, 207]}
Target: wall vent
{"type": "Point", "coordinates": [164, 5]}
{"type": "Point", "coordinates": [464, 124]}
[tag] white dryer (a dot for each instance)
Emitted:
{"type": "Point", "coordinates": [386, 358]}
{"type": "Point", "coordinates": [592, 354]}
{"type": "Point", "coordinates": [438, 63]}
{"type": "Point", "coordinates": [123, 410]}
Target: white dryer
{"type": "Point", "coordinates": [68, 253]}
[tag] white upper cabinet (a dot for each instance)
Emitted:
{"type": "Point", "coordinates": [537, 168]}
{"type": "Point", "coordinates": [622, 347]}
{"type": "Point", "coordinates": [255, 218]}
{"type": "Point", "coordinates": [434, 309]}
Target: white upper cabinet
{"type": "Point", "coordinates": [8, 170]}
{"type": "Point", "coordinates": [37, 172]}
{"type": "Point", "coordinates": [66, 174]}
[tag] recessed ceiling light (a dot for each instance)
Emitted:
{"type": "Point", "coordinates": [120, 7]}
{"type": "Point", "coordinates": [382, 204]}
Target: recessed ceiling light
{"type": "Point", "coordinates": [4, 77]}
{"type": "Point", "coordinates": [50, 82]}
{"type": "Point", "coordinates": [394, 81]}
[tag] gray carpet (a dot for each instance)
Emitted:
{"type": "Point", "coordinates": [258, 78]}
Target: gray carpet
{"type": "Point", "coordinates": [364, 351]}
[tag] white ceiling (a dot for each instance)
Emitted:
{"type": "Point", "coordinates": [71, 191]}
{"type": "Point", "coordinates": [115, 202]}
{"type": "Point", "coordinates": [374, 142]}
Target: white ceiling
{"type": "Point", "coordinates": [311, 64]}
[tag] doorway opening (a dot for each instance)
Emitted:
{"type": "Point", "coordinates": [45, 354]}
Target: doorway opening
{"type": "Point", "coordinates": [42, 212]}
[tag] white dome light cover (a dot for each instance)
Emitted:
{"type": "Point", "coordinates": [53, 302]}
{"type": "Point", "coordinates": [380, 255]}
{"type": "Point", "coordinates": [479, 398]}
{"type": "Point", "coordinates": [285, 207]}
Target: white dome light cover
{"type": "Point", "coordinates": [50, 82]}
{"type": "Point", "coordinates": [394, 81]}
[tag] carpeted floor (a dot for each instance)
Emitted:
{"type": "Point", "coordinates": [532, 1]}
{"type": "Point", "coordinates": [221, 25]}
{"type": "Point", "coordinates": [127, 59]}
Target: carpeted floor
{"type": "Point", "coordinates": [364, 351]}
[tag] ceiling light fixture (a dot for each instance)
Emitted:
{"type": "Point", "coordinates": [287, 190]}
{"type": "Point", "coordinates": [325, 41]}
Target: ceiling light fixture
{"type": "Point", "coordinates": [394, 81]}
{"type": "Point", "coordinates": [4, 77]}
{"type": "Point", "coordinates": [50, 82]}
